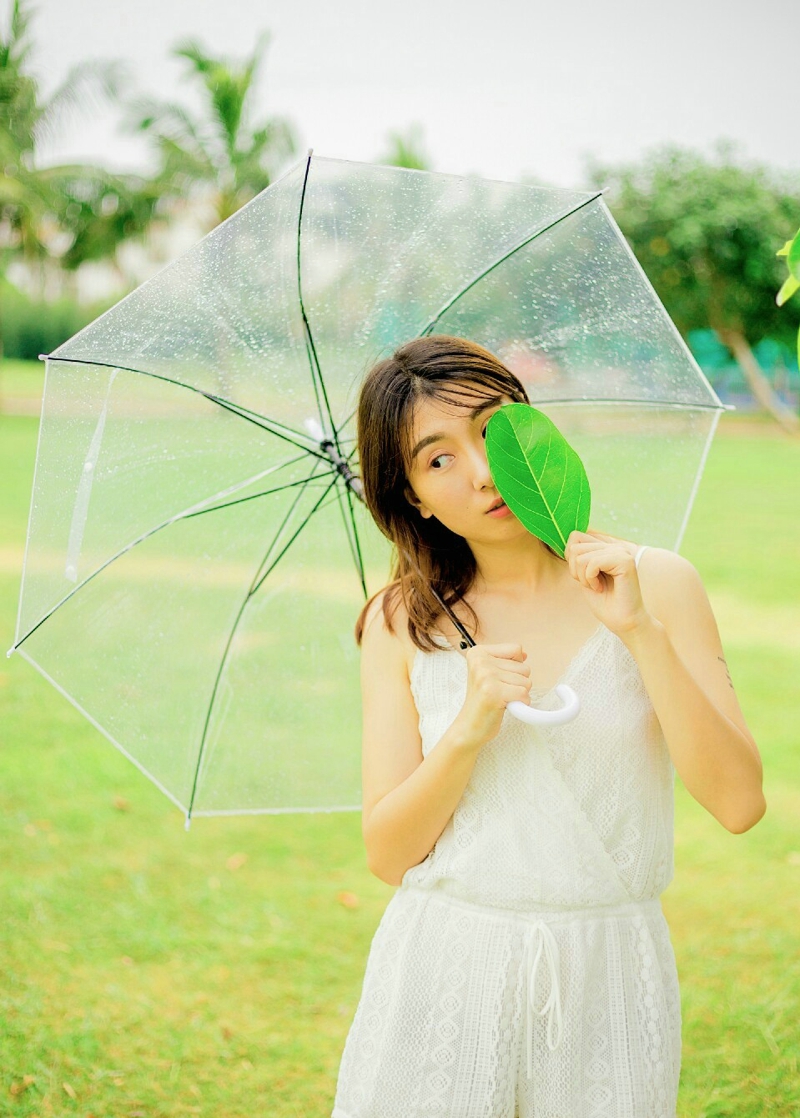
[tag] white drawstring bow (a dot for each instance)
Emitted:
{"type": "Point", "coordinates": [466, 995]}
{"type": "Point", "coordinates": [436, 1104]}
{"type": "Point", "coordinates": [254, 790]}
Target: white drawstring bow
{"type": "Point", "coordinates": [552, 1007]}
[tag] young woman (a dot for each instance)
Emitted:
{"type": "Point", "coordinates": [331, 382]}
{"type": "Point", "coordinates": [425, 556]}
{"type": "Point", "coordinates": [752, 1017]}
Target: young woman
{"type": "Point", "coordinates": [524, 965]}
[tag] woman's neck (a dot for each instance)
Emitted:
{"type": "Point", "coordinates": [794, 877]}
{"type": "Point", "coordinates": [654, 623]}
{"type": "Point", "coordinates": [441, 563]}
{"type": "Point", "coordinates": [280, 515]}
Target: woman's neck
{"type": "Point", "coordinates": [522, 565]}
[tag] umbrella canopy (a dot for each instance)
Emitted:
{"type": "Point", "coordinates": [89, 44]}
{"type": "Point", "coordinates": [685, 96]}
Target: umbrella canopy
{"type": "Point", "coordinates": [196, 554]}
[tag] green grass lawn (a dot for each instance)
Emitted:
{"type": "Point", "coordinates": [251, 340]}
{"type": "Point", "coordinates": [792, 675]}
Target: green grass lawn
{"type": "Point", "coordinates": [151, 972]}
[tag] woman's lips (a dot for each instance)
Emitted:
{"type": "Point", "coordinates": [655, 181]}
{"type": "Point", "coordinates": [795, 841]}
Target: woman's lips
{"type": "Point", "coordinates": [501, 510]}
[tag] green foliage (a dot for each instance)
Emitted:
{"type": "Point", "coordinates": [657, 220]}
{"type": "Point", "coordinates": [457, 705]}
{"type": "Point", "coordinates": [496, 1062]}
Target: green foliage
{"type": "Point", "coordinates": [538, 474]}
{"type": "Point", "coordinates": [407, 149]}
{"type": "Point", "coordinates": [58, 217]}
{"type": "Point", "coordinates": [217, 151]}
{"type": "Point", "coordinates": [102, 210]}
{"type": "Point", "coordinates": [29, 327]}
{"type": "Point", "coordinates": [791, 251]}
{"type": "Point", "coordinates": [704, 230]}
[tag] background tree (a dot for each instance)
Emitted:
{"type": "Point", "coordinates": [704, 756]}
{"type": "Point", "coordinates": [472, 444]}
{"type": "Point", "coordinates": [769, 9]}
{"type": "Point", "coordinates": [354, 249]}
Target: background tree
{"type": "Point", "coordinates": [705, 230]}
{"type": "Point", "coordinates": [407, 149]}
{"type": "Point", "coordinates": [54, 218]}
{"type": "Point", "coordinates": [218, 155]}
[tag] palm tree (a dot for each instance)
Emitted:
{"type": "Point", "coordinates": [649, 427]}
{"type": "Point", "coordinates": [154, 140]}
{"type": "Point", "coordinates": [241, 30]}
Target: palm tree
{"type": "Point", "coordinates": [54, 218]}
{"type": "Point", "coordinates": [218, 155]}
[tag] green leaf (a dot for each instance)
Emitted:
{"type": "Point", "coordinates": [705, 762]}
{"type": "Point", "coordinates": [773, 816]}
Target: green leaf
{"type": "Point", "coordinates": [791, 250]}
{"type": "Point", "coordinates": [793, 258]}
{"type": "Point", "coordinates": [787, 290]}
{"type": "Point", "coordinates": [538, 474]}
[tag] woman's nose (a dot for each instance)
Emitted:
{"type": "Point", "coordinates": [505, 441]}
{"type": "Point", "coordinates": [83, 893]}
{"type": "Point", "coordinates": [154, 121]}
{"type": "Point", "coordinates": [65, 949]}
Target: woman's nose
{"type": "Point", "coordinates": [481, 475]}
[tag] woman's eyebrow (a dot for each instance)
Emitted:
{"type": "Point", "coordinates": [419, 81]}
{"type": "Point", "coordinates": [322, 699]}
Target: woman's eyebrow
{"type": "Point", "coordinates": [440, 435]}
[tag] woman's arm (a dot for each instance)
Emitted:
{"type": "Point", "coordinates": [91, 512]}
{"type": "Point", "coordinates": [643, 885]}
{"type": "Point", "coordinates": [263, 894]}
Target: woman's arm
{"type": "Point", "coordinates": [408, 800]}
{"type": "Point", "coordinates": [663, 615]}
{"type": "Point", "coordinates": [681, 660]}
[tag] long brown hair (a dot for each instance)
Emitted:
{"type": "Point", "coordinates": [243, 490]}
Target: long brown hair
{"type": "Point", "coordinates": [426, 553]}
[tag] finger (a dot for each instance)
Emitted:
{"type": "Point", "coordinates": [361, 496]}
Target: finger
{"type": "Point", "coordinates": [584, 566]}
{"type": "Point", "coordinates": [510, 672]}
{"type": "Point", "coordinates": [505, 651]}
{"type": "Point", "coordinates": [587, 545]}
{"type": "Point", "coordinates": [514, 692]}
{"type": "Point", "coordinates": [610, 566]}
{"type": "Point", "coordinates": [581, 555]}
{"type": "Point", "coordinates": [614, 560]}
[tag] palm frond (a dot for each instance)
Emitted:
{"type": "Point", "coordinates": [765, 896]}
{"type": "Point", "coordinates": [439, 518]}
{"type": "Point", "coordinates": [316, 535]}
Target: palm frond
{"type": "Point", "coordinates": [15, 50]}
{"type": "Point", "coordinates": [218, 148]}
{"type": "Point", "coordinates": [88, 86]}
{"type": "Point", "coordinates": [180, 165]}
{"type": "Point", "coordinates": [169, 120]}
{"type": "Point", "coordinates": [194, 52]}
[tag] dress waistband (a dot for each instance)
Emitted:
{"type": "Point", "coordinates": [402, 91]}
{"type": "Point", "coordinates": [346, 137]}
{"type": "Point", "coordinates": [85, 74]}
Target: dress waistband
{"type": "Point", "coordinates": [550, 914]}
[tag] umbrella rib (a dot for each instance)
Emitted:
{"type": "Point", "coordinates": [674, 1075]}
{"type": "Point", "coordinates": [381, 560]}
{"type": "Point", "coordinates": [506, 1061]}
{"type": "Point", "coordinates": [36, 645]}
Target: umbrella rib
{"type": "Point", "coordinates": [311, 349]}
{"type": "Point", "coordinates": [546, 228]}
{"type": "Point", "coordinates": [254, 586]}
{"type": "Point", "coordinates": [346, 525]}
{"type": "Point", "coordinates": [147, 535]}
{"type": "Point", "coordinates": [261, 493]}
{"type": "Point", "coordinates": [280, 430]}
{"type": "Point", "coordinates": [284, 549]}
{"type": "Point", "coordinates": [360, 559]}
{"type": "Point", "coordinates": [352, 535]}
{"type": "Point", "coordinates": [287, 517]}
{"type": "Point", "coordinates": [314, 384]}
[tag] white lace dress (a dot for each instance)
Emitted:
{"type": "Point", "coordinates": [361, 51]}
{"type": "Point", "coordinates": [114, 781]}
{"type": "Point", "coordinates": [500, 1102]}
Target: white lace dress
{"type": "Point", "coordinates": [524, 968]}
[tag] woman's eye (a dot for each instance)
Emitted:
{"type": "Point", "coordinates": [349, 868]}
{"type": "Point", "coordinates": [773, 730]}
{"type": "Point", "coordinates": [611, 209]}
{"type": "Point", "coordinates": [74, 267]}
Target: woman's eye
{"type": "Point", "coordinates": [436, 463]}
{"type": "Point", "coordinates": [486, 424]}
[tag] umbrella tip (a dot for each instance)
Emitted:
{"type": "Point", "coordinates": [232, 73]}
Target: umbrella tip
{"type": "Point", "coordinates": [11, 651]}
{"type": "Point", "coordinates": [188, 823]}
{"type": "Point", "coordinates": [310, 152]}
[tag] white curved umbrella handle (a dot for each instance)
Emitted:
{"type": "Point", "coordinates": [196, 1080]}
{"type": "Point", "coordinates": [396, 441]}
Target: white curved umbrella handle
{"type": "Point", "coordinates": [535, 717]}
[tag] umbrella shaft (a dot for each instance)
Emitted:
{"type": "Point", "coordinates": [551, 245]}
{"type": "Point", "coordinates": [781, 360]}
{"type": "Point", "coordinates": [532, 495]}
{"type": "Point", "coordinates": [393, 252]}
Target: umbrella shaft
{"type": "Point", "coordinates": [353, 481]}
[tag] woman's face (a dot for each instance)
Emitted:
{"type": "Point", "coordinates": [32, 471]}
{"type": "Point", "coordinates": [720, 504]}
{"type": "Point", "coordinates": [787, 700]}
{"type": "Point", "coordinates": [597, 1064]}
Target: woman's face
{"type": "Point", "coordinates": [449, 474]}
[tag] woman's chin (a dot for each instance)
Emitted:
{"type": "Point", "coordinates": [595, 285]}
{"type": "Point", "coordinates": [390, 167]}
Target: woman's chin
{"type": "Point", "coordinates": [506, 529]}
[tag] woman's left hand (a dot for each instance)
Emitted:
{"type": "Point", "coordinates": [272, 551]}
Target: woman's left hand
{"type": "Point", "coordinates": [606, 569]}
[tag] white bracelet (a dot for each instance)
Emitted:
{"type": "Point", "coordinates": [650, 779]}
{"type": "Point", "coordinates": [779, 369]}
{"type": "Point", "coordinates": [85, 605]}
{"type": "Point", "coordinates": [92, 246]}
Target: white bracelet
{"type": "Point", "coordinates": [638, 555]}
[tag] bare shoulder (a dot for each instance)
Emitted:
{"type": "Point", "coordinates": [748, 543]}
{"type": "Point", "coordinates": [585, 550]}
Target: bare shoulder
{"type": "Point", "coordinates": [669, 582]}
{"type": "Point", "coordinates": [387, 642]}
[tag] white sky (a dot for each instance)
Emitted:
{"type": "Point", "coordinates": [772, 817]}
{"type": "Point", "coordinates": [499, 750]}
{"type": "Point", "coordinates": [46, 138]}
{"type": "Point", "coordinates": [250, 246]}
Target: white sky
{"type": "Point", "coordinates": [501, 87]}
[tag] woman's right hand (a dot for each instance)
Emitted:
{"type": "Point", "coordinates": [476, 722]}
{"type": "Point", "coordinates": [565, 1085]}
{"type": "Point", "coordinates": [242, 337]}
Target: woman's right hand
{"type": "Point", "coordinates": [496, 675]}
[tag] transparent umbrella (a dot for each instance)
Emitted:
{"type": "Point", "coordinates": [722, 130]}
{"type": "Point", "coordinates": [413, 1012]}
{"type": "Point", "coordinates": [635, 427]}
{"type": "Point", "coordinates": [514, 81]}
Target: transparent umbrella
{"type": "Point", "coordinates": [196, 552]}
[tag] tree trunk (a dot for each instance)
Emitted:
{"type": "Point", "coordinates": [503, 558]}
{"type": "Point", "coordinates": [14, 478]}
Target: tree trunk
{"type": "Point", "coordinates": [759, 385]}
